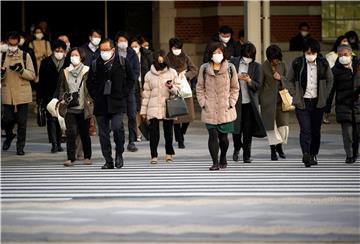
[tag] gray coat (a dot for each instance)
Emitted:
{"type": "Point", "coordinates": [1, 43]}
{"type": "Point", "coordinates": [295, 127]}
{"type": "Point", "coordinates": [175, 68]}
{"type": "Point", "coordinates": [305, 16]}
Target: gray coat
{"type": "Point", "coordinates": [270, 100]}
{"type": "Point", "coordinates": [297, 79]}
{"type": "Point", "coordinates": [255, 74]}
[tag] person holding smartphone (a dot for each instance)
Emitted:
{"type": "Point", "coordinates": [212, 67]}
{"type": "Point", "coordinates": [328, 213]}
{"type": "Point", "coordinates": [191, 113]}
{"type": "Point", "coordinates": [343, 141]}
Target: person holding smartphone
{"type": "Point", "coordinates": [160, 82]}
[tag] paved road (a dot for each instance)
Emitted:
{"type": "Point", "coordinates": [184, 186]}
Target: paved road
{"type": "Point", "coordinates": [183, 201]}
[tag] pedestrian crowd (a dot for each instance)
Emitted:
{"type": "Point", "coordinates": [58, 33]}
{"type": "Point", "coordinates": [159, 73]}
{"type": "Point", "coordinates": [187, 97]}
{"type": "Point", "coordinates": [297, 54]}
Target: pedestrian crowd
{"type": "Point", "coordinates": [88, 89]}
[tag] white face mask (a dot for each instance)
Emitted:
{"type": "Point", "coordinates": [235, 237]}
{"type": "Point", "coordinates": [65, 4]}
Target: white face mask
{"type": "Point", "coordinates": [39, 36]}
{"type": "Point", "coordinates": [13, 48]}
{"type": "Point", "coordinates": [224, 39]}
{"type": "Point", "coordinates": [311, 58]}
{"type": "Point", "coordinates": [22, 41]}
{"type": "Point", "coordinates": [247, 60]}
{"type": "Point", "coordinates": [106, 55]}
{"type": "Point", "coordinates": [136, 49]}
{"type": "Point", "coordinates": [75, 60]}
{"type": "Point", "coordinates": [345, 60]}
{"type": "Point", "coordinates": [58, 55]}
{"type": "Point", "coordinates": [95, 40]}
{"type": "Point", "coordinates": [176, 52]}
{"type": "Point", "coordinates": [304, 33]}
{"type": "Point", "coordinates": [4, 47]}
{"type": "Point", "coordinates": [122, 45]}
{"type": "Point", "coordinates": [217, 58]}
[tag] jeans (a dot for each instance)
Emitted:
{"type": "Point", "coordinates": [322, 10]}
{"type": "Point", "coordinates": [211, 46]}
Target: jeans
{"type": "Point", "coordinates": [117, 128]}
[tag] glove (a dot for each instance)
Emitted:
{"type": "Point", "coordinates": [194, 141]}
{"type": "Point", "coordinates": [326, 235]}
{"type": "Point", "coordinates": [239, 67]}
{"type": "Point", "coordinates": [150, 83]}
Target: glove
{"type": "Point", "coordinates": [17, 67]}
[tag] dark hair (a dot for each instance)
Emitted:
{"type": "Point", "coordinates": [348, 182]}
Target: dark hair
{"type": "Point", "coordinates": [13, 35]}
{"type": "Point", "coordinates": [95, 30]}
{"type": "Point", "coordinates": [212, 47]}
{"type": "Point", "coordinates": [311, 44]}
{"type": "Point", "coordinates": [156, 56]}
{"type": "Point", "coordinates": [81, 52]}
{"type": "Point", "coordinates": [175, 42]}
{"type": "Point", "coordinates": [142, 39]}
{"type": "Point", "coordinates": [248, 50]}
{"type": "Point", "coordinates": [58, 44]}
{"type": "Point", "coordinates": [105, 40]}
{"type": "Point", "coordinates": [134, 39]}
{"type": "Point", "coordinates": [304, 24]}
{"type": "Point", "coordinates": [241, 33]}
{"type": "Point", "coordinates": [225, 29]}
{"type": "Point", "coordinates": [273, 52]}
{"type": "Point", "coordinates": [121, 34]}
{"type": "Point", "coordinates": [338, 42]}
{"type": "Point", "coordinates": [350, 35]}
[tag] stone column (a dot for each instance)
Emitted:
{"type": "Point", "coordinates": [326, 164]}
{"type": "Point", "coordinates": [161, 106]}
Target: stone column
{"type": "Point", "coordinates": [266, 26]}
{"type": "Point", "coordinates": [253, 25]}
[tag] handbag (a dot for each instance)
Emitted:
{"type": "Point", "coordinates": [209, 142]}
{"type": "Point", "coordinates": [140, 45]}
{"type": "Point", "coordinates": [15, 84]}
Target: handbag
{"type": "Point", "coordinates": [185, 89]}
{"type": "Point", "coordinates": [92, 126]}
{"type": "Point", "coordinates": [176, 106]}
{"type": "Point", "coordinates": [72, 98]}
{"type": "Point", "coordinates": [287, 99]}
{"type": "Point", "coordinates": [41, 115]}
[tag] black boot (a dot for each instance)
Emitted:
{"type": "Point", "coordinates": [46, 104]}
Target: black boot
{"type": "Point", "coordinates": [215, 166]}
{"type": "Point", "coordinates": [236, 156]}
{"type": "Point", "coordinates": [280, 151]}
{"type": "Point", "coordinates": [181, 144]}
{"type": "Point", "coordinates": [247, 153]}
{"type": "Point", "coordinates": [108, 165]}
{"type": "Point", "coordinates": [306, 159]}
{"type": "Point", "coordinates": [54, 148]}
{"type": "Point", "coordinates": [273, 153]}
{"type": "Point", "coordinates": [119, 161]}
{"type": "Point", "coordinates": [8, 140]}
{"type": "Point", "coordinates": [223, 162]}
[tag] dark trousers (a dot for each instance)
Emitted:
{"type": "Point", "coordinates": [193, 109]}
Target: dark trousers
{"type": "Point", "coordinates": [180, 131]}
{"type": "Point", "coordinates": [131, 114]}
{"type": "Point", "coordinates": [218, 140]}
{"type": "Point", "coordinates": [117, 128]}
{"type": "Point", "coordinates": [244, 138]}
{"type": "Point", "coordinates": [351, 137]}
{"type": "Point", "coordinates": [310, 120]}
{"type": "Point", "coordinates": [76, 124]}
{"type": "Point", "coordinates": [53, 129]}
{"type": "Point", "coordinates": [20, 118]}
{"type": "Point", "coordinates": [155, 136]}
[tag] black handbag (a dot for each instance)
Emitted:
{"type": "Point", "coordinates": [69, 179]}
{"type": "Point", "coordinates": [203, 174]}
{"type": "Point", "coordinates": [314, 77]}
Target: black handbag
{"type": "Point", "coordinates": [72, 98]}
{"type": "Point", "coordinates": [144, 129]}
{"type": "Point", "coordinates": [176, 106]}
{"type": "Point", "coordinates": [41, 115]}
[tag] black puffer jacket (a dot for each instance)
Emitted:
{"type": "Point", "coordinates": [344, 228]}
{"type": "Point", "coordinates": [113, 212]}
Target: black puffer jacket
{"type": "Point", "coordinates": [347, 88]}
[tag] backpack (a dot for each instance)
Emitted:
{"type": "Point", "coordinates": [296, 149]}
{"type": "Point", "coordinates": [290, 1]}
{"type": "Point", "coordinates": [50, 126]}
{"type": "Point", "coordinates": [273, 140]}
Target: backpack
{"type": "Point", "coordinates": [4, 56]}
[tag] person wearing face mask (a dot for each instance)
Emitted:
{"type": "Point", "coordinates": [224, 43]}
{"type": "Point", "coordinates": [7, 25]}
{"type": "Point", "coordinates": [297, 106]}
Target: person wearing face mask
{"type": "Point", "coordinates": [24, 46]}
{"type": "Point", "coordinates": [309, 82]}
{"type": "Point", "coordinates": [353, 39]}
{"type": "Point", "coordinates": [217, 91]}
{"type": "Point", "coordinates": [72, 80]}
{"type": "Point", "coordinates": [91, 48]}
{"type": "Point", "coordinates": [297, 42]}
{"type": "Point", "coordinates": [16, 92]}
{"type": "Point", "coordinates": [347, 100]}
{"type": "Point", "coordinates": [109, 84]}
{"type": "Point", "coordinates": [276, 121]}
{"type": "Point", "coordinates": [122, 49]}
{"type": "Point", "coordinates": [144, 43]}
{"type": "Point", "coordinates": [145, 62]}
{"type": "Point", "coordinates": [65, 39]}
{"type": "Point", "coordinates": [331, 57]}
{"type": "Point", "coordinates": [224, 36]}
{"type": "Point", "coordinates": [178, 60]}
{"type": "Point", "coordinates": [49, 72]}
{"type": "Point", "coordinates": [160, 82]}
{"type": "Point", "coordinates": [248, 122]}
{"type": "Point", "coordinates": [41, 48]}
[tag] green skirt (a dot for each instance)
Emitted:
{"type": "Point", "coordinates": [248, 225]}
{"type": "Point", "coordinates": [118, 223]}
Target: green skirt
{"type": "Point", "coordinates": [223, 128]}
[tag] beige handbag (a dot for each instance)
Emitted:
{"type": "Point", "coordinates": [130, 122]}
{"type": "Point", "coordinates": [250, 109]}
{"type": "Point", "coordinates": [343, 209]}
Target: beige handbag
{"type": "Point", "coordinates": [286, 101]}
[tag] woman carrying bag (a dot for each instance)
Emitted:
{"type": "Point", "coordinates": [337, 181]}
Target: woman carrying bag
{"type": "Point", "coordinates": [160, 82]}
{"type": "Point", "coordinates": [217, 91]}
{"type": "Point", "coordinates": [77, 106]}
{"type": "Point", "coordinates": [276, 121]}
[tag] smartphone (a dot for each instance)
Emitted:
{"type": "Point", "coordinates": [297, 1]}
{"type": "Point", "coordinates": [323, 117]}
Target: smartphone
{"type": "Point", "coordinates": [169, 81]}
{"type": "Point", "coordinates": [244, 73]}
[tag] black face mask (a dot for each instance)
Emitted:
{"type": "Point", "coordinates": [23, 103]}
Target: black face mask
{"type": "Point", "coordinates": [160, 66]}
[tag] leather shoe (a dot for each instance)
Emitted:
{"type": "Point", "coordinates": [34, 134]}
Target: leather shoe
{"type": "Point", "coordinates": [132, 148]}
{"type": "Point", "coordinates": [223, 163]}
{"type": "Point", "coordinates": [247, 160]}
{"type": "Point", "coordinates": [20, 152]}
{"type": "Point", "coordinates": [7, 142]}
{"type": "Point", "coordinates": [350, 160]}
{"type": "Point", "coordinates": [119, 161]}
{"type": "Point", "coordinates": [313, 160]}
{"type": "Point", "coordinates": [60, 149]}
{"type": "Point", "coordinates": [54, 149]}
{"type": "Point", "coordinates": [236, 156]}
{"type": "Point", "coordinates": [181, 145]}
{"type": "Point", "coordinates": [214, 167]}
{"type": "Point", "coordinates": [306, 159]}
{"type": "Point", "coordinates": [108, 165]}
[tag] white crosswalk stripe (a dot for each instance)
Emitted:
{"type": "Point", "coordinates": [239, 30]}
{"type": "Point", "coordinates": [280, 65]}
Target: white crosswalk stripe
{"type": "Point", "coordinates": [51, 181]}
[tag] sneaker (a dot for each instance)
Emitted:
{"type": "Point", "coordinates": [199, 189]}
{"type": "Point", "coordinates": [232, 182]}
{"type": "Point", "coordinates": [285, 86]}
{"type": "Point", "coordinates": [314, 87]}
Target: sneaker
{"type": "Point", "coordinates": [68, 163]}
{"type": "Point", "coordinates": [168, 158]}
{"type": "Point", "coordinates": [154, 160]}
{"type": "Point", "coordinates": [139, 138]}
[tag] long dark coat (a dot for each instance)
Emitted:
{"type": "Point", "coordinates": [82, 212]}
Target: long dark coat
{"type": "Point", "coordinates": [270, 100]}
{"type": "Point", "coordinates": [255, 74]}
{"type": "Point", "coordinates": [347, 88]}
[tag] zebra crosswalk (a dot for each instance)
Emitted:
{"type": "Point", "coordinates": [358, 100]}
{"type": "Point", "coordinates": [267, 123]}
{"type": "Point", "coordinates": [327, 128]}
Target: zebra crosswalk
{"type": "Point", "coordinates": [52, 181]}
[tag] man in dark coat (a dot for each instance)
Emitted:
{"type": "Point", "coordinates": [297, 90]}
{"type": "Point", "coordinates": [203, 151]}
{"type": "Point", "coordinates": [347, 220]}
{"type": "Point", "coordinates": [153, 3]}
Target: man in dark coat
{"type": "Point", "coordinates": [91, 48]}
{"type": "Point", "coordinates": [347, 105]}
{"type": "Point", "coordinates": [297, 42]}
{"type": "Point", "coordinates": [109, 85]}
{"type": "Point", "coordinates": [225, 36]}
{"type": "Point", "coordinates": [50, 68]}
